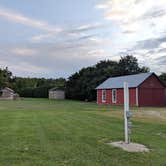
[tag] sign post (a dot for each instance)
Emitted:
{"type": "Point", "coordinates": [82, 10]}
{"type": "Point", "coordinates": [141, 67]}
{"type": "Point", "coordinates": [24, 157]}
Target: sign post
{"type": "Point", "coordinates": [125, 111]}
{"type": "Point", "coordinates": [127, 114]}
{"type": "Point", "coordinates": [126, 145]}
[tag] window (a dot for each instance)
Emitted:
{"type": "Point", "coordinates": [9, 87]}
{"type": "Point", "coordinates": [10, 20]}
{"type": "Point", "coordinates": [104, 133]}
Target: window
{"type": "Point", "coordinates": [103, 95]}
{"type": "Point", "coordinates": [113, 95]}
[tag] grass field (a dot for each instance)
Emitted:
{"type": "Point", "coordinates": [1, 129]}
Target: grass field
{"type": "Point", "coordinates": [39, 132]}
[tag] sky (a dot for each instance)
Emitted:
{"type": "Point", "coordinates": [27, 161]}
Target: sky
{"type": "Point", "coordinates": [55, 38]}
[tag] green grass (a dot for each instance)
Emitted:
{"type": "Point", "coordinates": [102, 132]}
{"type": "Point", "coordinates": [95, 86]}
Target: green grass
{"type": "Point", "coordinates": [39, 132]}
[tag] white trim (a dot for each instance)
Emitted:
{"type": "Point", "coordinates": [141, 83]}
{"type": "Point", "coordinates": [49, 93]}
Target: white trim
{"type": "Point", "coordinates": [114, 101]}
{"type": "Point", "coordinates": [104, 100]}
{"type": "Point", "coordinates": [97, 97]}
{"type": "Point", "coordinates": [136, 96]}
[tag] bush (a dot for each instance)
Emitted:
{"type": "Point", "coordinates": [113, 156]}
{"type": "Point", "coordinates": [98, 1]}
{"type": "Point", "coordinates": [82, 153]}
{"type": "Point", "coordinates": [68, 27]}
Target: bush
{"type": "Point", "coordinates": [40, 92]}
{"type": "Point", "coordinates": [27, 92]}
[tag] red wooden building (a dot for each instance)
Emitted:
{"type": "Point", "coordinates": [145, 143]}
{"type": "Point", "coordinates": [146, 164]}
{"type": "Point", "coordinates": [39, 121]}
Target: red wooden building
{"type": "Point", "coordinates": [145, 89]}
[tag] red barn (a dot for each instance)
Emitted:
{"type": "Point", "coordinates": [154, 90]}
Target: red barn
{"type": "Point", "coordinates": [145, 89]}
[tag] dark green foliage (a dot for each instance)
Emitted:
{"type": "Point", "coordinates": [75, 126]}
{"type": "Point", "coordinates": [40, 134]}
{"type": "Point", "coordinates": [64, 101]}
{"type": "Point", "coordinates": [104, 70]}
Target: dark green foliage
{"type": "Point", "coordinates": [82, 84]}
{"type": "Point", "coordinates": [129, 65]}
{"type": "Point", "coordinates": [29, 87]}
{"type": "Point", "coordinates": [5, 78]}
{"type": "Point", "coordinates": [163, 78]}
{"type": "Point", "coordinates": [26, 92]}
{"type": "Point", "coordinates": [39, 92]}
{"type": "Point", "coordinates": [36, 87]}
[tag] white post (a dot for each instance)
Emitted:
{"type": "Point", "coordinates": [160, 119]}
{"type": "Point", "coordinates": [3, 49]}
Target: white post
{"type": "Point", "coordinates": [126, 108]}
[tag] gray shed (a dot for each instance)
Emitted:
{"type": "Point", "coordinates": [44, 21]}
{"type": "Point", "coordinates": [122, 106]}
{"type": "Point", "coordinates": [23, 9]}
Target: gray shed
{"type": "Point", "coordinates": [8, 94]}
{"type": "Point", "coordinates": [56, 93]}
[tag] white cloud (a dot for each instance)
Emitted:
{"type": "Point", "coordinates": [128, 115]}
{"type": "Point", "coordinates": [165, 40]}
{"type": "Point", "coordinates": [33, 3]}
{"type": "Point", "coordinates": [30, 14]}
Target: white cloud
{"type": "Point", "coordinates": [27, 68]}
{"type": "Point", "coordinates": [50, 59]}
{"type": "Point", "coordinates": [61, 52]}
{"type": "Point", "coordinates": [103, 5]}
{"type": "Point", "coordinates": [24, 68]}
{"type": "Point", "coordinates": [142, 23]}
{"type": "Point", "coordinates": [41, 37]}
{"type": "Point", "coordinates": [130, 15]}
{"type": "Point", "coordinates": [88, 27]}
{"type": "Point", "coordinates": [96, 52]}
{"type": "Point", "coordinates": [96, 39]}
{"type": "Point", "coordinates": [24, 51]}
{"type": "Point", "coordinates": [77, 32]}
{"type": "Point", "coordinates": [21, 19]}
{"type": "Point", "coordinates": [163, 45]}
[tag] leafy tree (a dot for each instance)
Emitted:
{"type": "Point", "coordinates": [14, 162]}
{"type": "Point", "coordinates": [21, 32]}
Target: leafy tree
{"type": "Point", "coordinates": [29, 87]}
{"type": "Point", "coordinates": [36, 87]}
{"type": "Point", "coordinates": [81, 85]}
{"type": "Point", "coordinates": [5, 78]}
{"type": "Point", "coordinates": [26, 92]}
{"type": "Point", "coordinates": [163, 78]}
{"type": "Point", "coordinates": [129, 65]}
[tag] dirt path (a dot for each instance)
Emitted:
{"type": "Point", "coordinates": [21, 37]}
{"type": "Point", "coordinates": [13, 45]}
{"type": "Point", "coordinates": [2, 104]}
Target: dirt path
{"type": "Point", "coordinates": [139, 115]}
{"type": "Point", "coordinates": [151, 114]}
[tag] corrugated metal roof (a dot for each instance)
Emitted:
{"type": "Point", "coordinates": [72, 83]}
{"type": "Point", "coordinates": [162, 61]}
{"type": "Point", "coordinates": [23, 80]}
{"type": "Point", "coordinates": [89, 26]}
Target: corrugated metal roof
{"type": "Point", "coordinates": [117, 82]}
{"type": "Point", "coordinates": [8, 89]}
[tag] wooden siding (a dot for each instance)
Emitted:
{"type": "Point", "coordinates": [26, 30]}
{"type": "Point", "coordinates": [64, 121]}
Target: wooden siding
{"type": "Point", "coordinates": [152, 92]}
{"type": "Point", "coordinates": [58, 94]}
{"type": "Point", "coordinates": [120, 97]}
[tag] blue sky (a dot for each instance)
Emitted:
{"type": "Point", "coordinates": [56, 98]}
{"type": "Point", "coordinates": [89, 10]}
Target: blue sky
{"type": "Point", "coordinates": [57, 38]}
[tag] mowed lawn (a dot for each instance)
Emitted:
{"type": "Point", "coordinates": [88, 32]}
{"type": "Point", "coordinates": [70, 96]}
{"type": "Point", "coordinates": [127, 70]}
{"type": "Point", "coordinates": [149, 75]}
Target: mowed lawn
{"type": "Point", "coordinates": [40, 132]}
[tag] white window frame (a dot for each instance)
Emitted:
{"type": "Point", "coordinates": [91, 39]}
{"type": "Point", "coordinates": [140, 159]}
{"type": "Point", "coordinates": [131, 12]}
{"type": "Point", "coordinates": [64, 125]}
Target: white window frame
{"type": "Point", "coordinates": [114, 98]}
{"type": "Point", "coordinates": [137, 97]}
{"type": "Point", "coordinates": [104, 97]}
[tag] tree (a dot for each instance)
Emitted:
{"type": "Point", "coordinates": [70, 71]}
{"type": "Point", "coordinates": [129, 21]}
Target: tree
{"type": "Point", "coordinates": [163, 77]}
{"type": "Point", "coordinates": [81, 85]}
{"type": "Point", "coordinates": [129, 65]}
{"type": "Point", "coordinates": [5, 78]}
{"type": "Point", "coordinates": [29, 87]}
{"type": "Point", "coordinates": [36, 87]}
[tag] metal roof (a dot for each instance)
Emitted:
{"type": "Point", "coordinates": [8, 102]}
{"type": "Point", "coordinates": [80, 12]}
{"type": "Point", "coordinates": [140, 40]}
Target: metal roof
{"type": "Point", "coordinates": [8, 89]}
{"type": "Point", "coordinates": [117, 82]}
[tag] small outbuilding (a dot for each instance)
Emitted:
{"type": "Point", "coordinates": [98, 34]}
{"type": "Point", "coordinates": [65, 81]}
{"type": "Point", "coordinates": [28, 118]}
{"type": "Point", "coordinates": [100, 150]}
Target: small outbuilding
{"type": "Point", "coordinates": [8, 94]}
{"type": "Point", "coordinates": [56, 93]}
{"type": "Point", "coordinates": [145, 89]}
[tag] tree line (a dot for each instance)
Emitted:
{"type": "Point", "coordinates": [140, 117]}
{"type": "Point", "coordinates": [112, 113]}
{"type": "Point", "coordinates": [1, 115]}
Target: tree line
{"type": "Point", "coordinates": [29, 87]}
{"type": "Point", "coordinates": [80, 85]}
